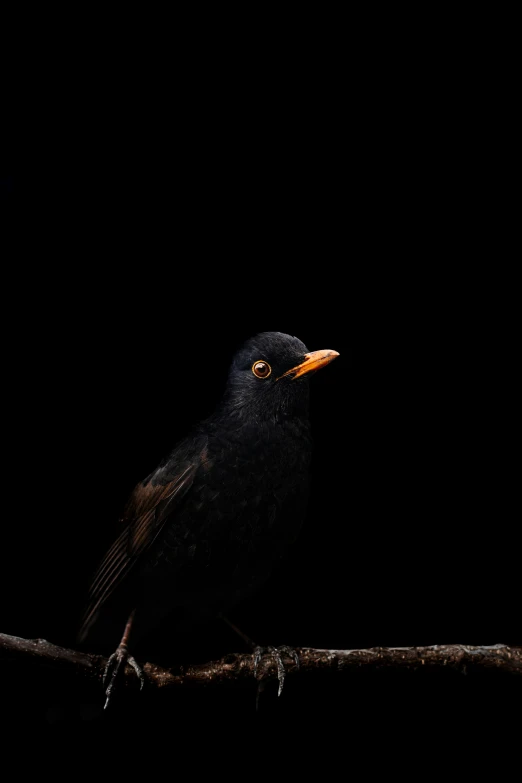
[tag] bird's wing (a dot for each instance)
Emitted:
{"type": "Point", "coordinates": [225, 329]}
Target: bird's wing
{"type": "Point", "coordinates": [151, 503]}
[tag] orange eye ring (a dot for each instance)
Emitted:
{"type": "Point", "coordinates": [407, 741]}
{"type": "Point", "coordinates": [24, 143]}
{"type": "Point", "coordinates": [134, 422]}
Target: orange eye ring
{"type": "Point", "coordinates": [261, 369]}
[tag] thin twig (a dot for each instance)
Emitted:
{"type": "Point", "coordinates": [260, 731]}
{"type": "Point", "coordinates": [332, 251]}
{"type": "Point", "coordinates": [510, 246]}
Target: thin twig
{"type": "Point", "coordinates": [235, 667]}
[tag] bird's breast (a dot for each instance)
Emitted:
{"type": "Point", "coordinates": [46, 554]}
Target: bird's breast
{"type": "Point", "coordinates": [246, 504]}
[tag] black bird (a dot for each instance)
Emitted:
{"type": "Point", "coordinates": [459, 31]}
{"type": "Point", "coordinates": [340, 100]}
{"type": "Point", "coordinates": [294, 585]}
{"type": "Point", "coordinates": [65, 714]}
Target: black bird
{"type": "Point", "coordinates": [205, 529]}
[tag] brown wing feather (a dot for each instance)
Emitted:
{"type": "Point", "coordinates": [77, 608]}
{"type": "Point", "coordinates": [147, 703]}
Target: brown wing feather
{"type": "Point", "coordinates": [145, 514]}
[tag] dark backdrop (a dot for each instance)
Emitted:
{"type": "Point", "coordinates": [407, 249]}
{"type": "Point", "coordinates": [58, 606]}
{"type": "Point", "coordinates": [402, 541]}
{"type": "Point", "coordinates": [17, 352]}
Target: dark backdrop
{"type": "Point", "coordinates": [129, 290]}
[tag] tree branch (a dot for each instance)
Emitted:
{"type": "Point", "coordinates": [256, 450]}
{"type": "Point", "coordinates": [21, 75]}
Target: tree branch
{"type": "Point", "coordinates": [235, 667]}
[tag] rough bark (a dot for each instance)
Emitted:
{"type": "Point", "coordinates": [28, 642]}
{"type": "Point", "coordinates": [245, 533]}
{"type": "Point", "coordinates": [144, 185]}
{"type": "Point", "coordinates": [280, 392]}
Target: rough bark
{"type": "Point", "coordinates": [235, 667]}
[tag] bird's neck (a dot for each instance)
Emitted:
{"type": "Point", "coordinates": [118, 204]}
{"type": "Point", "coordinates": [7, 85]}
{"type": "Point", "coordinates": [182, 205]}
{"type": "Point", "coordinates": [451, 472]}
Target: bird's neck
{"type": "Point", "coordinates": [244, 426]}
{"type": "Point", "coordinates": [238, 407]}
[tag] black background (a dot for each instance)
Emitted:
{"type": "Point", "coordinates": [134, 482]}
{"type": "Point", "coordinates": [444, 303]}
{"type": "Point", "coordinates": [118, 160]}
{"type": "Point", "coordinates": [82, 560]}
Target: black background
{"type": "Point", "coordinates": [131, 285]}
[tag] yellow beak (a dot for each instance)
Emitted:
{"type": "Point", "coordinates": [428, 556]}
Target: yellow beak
{"type": "Point", "coordinates": [313, 361]}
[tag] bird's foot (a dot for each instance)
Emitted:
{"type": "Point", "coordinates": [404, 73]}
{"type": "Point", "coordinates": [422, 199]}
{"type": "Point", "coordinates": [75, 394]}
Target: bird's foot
{"type": "Point", "coordinates": [114, 664]}
{"type": "Point", "coordinates": [275, 654]}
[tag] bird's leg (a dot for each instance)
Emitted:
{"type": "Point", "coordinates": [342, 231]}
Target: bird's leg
{"type": "Point", "coordinates": [118, 658]}
{"type": "Point", "coordinates": [248, 641]}
{"type": "Point", "coordinates": [274, 652]}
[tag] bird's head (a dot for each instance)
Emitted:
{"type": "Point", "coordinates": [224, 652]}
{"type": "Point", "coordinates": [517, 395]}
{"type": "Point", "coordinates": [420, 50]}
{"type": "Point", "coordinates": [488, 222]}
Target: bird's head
{"type": "Point", "coordinates": [270, 373]}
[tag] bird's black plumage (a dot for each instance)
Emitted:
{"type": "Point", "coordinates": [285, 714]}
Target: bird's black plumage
{"type": "Point", "coordinates": [208, 525]}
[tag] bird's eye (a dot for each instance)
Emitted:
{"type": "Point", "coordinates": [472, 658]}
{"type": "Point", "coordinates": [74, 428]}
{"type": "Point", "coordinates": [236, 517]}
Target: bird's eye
{"type": "Point", "coordinates": [261, 369]}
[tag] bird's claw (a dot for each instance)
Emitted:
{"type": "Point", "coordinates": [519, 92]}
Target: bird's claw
{"type": "Point", "coordinates": [276, 654]}
{"type": "Point", "coordinates": [114, 664]}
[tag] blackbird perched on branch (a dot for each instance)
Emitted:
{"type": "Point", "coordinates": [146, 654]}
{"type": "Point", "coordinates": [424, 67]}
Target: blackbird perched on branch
{"type": "Point", "coordinates": [205, 529]}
